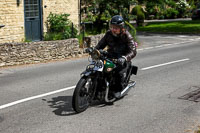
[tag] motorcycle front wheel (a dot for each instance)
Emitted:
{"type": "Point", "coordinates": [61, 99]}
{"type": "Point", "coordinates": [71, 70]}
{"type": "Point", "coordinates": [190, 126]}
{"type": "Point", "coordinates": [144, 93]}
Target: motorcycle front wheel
{"type": "Point", "coordinates": [82, 95]}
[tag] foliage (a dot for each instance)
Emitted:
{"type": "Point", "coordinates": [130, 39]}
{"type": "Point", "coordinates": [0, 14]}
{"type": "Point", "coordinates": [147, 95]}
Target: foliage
{"type": "Point", "coordinates": [105, 16]}
{"type": "Point", "coordinates": [171, 13]}
{"type": "Point", "coordinates": [140, 18]}
{"type": "Point", "coordinates": [155, 10]}
{"type": "Point", "coordinates": [52, 36]}
{"type": "Point", "coordinates": [59, 27]}
{"type": "Point", "coordinates": [131, 29]}
{"type": "Point", "coordinates": [183, 8]}
{"type": "Point", "coordinates": [101, 11]}
{"type": "Point", "coordinates": [171, 3]}
{"type": "Point", "coordinates": [192, 3]}
{"type": "Point", "coordinates": [81, 38]}
{"type": "Point", "coordinates": [139, 12]}
{"type": "Point", "coordinates": [136, 9]}
{"type": "Point", "coordinates": [90, 18]}
{"type": "Point", "coordinates": [57, 22]}
{"type": "Point", "coordinates": [150, 8]}
{"type": "Point", "coordinates": [168, 8]}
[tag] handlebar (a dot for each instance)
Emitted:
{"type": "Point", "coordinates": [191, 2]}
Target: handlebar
{"type": "Point", "coordinates": [90, 50]}
{"type": "Point", "coordinates": [96, 54]}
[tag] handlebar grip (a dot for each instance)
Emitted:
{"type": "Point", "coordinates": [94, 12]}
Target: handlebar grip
{"type": "Point", "coordinates": [88, 50]}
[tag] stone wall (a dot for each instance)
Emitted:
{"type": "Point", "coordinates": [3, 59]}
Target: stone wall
{"type": "Point", "coordinates": [43, 51]}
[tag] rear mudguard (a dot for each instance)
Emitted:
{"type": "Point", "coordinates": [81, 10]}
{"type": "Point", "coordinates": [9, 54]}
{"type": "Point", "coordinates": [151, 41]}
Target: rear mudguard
{"type": "Point", "coordinates": [134, 69]}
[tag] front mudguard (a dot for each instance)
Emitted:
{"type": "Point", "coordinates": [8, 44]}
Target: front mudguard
{"type": "Point", "coordinates": [86, 73]}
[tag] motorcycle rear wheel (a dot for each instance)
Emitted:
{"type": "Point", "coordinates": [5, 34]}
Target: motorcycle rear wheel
{"type": "Point", "coordinates": [81, 96]}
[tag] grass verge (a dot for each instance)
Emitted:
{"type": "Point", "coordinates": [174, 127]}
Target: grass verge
{"type": "Point", "coordinates": [187, 27]}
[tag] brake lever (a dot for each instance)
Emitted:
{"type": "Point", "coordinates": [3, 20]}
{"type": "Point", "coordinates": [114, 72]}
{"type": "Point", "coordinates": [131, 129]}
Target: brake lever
{"type": "Point", "coordinates": [103, 52]}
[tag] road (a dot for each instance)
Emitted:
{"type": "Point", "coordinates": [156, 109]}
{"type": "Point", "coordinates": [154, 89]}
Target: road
{"type": "Point", "coordinates": [37, 98]}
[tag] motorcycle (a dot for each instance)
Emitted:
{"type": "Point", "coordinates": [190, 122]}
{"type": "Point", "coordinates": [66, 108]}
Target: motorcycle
{"type": "Point", "coordinates": [97, 80]}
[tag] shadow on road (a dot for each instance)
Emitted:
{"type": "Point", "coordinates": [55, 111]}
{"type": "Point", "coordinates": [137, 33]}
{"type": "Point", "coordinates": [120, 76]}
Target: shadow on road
{"type": "Point", "coordinates": [1, 119]}
{"type": "Point", "coordinates": [62, 105]}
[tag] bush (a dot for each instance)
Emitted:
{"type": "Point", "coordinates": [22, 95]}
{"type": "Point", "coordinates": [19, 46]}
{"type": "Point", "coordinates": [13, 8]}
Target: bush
{"type": "Point", "coordinates": [171, 13]}
{"type": "Point", "coordinates": [132, 17]}
{"type": "Point", "coordinates": [90, 18]}
{"type": "Point", "coordinates": [151, 10]}
{"type": "Point", "coordinates": [140, 18]}
{"type": "Point", "coordinates": [52, 36]}
{"type": "Point", "coordinates": [183, 8]}
{"type": "Point", "coordinates": [81, 39]}
{"type": "Point", "coordinates": [59, 27]}
{"type": "Point", "coordinates": [137, 10]}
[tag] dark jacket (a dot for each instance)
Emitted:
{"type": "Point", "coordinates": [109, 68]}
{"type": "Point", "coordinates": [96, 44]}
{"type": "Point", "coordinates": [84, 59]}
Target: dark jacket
{"type": "Point", "coordinates": [118, 46]}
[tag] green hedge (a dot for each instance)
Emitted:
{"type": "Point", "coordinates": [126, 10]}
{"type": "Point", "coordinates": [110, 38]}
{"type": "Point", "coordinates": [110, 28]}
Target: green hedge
{"type": "Point", "coordinates": [59, 27]}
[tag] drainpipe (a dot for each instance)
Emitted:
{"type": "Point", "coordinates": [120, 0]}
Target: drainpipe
{"type": "Point", "coordinates": [18, 2]}
{"type": "Point", "coordinates": [79, 4]}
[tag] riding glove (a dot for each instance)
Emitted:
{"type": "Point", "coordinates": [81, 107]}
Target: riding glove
{"type": "Point", "coordinates": [121, 60]}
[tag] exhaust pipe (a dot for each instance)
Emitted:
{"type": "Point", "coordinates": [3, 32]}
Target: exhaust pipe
{"type": "Point", "coordinates": [123, 93]}
{"type": "Point", "coordinates": [127, 89]}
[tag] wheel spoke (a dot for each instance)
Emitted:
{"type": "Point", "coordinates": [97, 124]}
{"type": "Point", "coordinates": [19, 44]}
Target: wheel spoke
{"type": "Point", "coordinates": [82, 96]}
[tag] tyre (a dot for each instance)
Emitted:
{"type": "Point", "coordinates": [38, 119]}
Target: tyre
{"type": "Point", "coordinates": [82, 95]}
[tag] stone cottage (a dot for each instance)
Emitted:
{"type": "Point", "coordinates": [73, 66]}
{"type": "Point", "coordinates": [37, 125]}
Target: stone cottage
{"type": "Point", "coordinates": [20, 19]}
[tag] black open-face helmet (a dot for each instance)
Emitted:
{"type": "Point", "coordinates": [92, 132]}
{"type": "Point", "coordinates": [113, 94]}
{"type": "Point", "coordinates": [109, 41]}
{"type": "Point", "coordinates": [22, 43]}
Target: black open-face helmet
{"type": "Point", "coordinates": [117, 20]}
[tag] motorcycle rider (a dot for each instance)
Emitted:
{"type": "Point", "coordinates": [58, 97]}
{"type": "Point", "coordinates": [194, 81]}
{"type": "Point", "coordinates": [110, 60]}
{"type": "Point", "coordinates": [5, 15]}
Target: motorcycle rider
{"type": "Point", "coordinates": [121, 46]}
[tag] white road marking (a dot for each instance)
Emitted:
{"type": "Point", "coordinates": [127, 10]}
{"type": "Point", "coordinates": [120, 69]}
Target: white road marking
{"type": "Point", "coordinates": [159, 46]}
{"type": "Point", "coordinates": [182, 36]}
{"type": "Point", "coordinates": [164, 64]}
{"type": "Point", "coordinates": [166, 45]}
{"type": "Point", "coordinates": [35, 97]}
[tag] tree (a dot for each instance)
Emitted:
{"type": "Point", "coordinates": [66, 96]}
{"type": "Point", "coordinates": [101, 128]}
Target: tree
{"type": "Point", "coordinates": [100, 11]}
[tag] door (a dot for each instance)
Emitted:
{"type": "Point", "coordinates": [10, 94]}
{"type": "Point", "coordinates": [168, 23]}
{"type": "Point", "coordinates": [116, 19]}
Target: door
{"type": "Point", "coordinates": [33, 28]}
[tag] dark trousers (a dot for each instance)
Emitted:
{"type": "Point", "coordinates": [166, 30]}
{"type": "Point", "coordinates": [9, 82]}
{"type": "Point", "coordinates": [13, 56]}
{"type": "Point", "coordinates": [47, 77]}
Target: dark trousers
{"type": "Point", "coordinates": [121, 73]}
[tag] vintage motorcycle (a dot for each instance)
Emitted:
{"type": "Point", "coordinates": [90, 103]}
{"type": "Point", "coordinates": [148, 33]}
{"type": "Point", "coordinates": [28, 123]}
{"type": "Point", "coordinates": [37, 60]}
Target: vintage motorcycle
{"type": "Point", "coordinates": [97, 80]}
